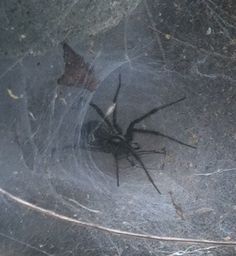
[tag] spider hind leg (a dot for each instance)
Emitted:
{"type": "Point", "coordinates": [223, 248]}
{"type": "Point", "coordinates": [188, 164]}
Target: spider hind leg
{"type": "Point", "coordinates": [117, 170]}
{"type": "Point", "coordinates": [156, 133]}
{"type": "Point", "coordinates": [139, 160]}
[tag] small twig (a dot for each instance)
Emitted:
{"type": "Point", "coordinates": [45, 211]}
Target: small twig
{"type": "Point", "coordinates": [110, 230]}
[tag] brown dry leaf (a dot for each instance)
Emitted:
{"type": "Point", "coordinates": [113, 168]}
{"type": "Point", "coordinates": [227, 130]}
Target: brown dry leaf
{"type": "Point", "coordinates": [77, 72]}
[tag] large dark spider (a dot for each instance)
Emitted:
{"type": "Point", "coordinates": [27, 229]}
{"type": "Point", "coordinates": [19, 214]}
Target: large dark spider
{"type": "Point", "coordinates": [107, 136]}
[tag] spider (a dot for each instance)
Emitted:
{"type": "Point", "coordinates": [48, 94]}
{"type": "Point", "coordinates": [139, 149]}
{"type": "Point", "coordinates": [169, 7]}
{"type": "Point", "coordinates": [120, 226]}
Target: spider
{"type": "Point", "coordinates": [109, 137]}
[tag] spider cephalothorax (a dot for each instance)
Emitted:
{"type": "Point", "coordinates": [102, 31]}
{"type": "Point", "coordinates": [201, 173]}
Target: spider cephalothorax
{"type": "Point", "coordinates": [107, 136]}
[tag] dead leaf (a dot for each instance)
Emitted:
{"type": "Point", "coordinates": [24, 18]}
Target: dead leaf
{"type": "Point", "coordinates": [77, 72]}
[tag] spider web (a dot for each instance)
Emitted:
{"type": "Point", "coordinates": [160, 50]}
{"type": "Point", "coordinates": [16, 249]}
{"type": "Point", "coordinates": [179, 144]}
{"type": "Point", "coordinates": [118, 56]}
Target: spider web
{"type": "Point", "coordinates": [160, 61]}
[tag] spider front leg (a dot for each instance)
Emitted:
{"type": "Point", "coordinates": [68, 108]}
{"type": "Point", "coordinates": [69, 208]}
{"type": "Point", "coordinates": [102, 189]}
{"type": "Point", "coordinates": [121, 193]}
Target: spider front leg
{"type": "Point", "coordinates": [114, 114]}
{"type": "Point", "coordinates": [102, 115]}
{"type": "Point", "coordinates": [129, 131]}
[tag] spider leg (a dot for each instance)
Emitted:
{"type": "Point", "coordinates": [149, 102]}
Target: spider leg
{"type": "Point", "coordinates": [101, 114]}
{"type": "Point", "coordinates": [148, 152]}
{"type": "Point", "coordinates": [141, 153]}
{"type": "Point", "coordinates": [162, 135]}
{"type": "Point", "coordinates": [127, 157]}
{"type": "Point", "coordinates": [129, 133]}
{"type": "Point", "coordinates": [114, 114]}
{"type": "Point", "coordinates": [143, 166]}
{"type": "Point", "coordinates": [117, 170]}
